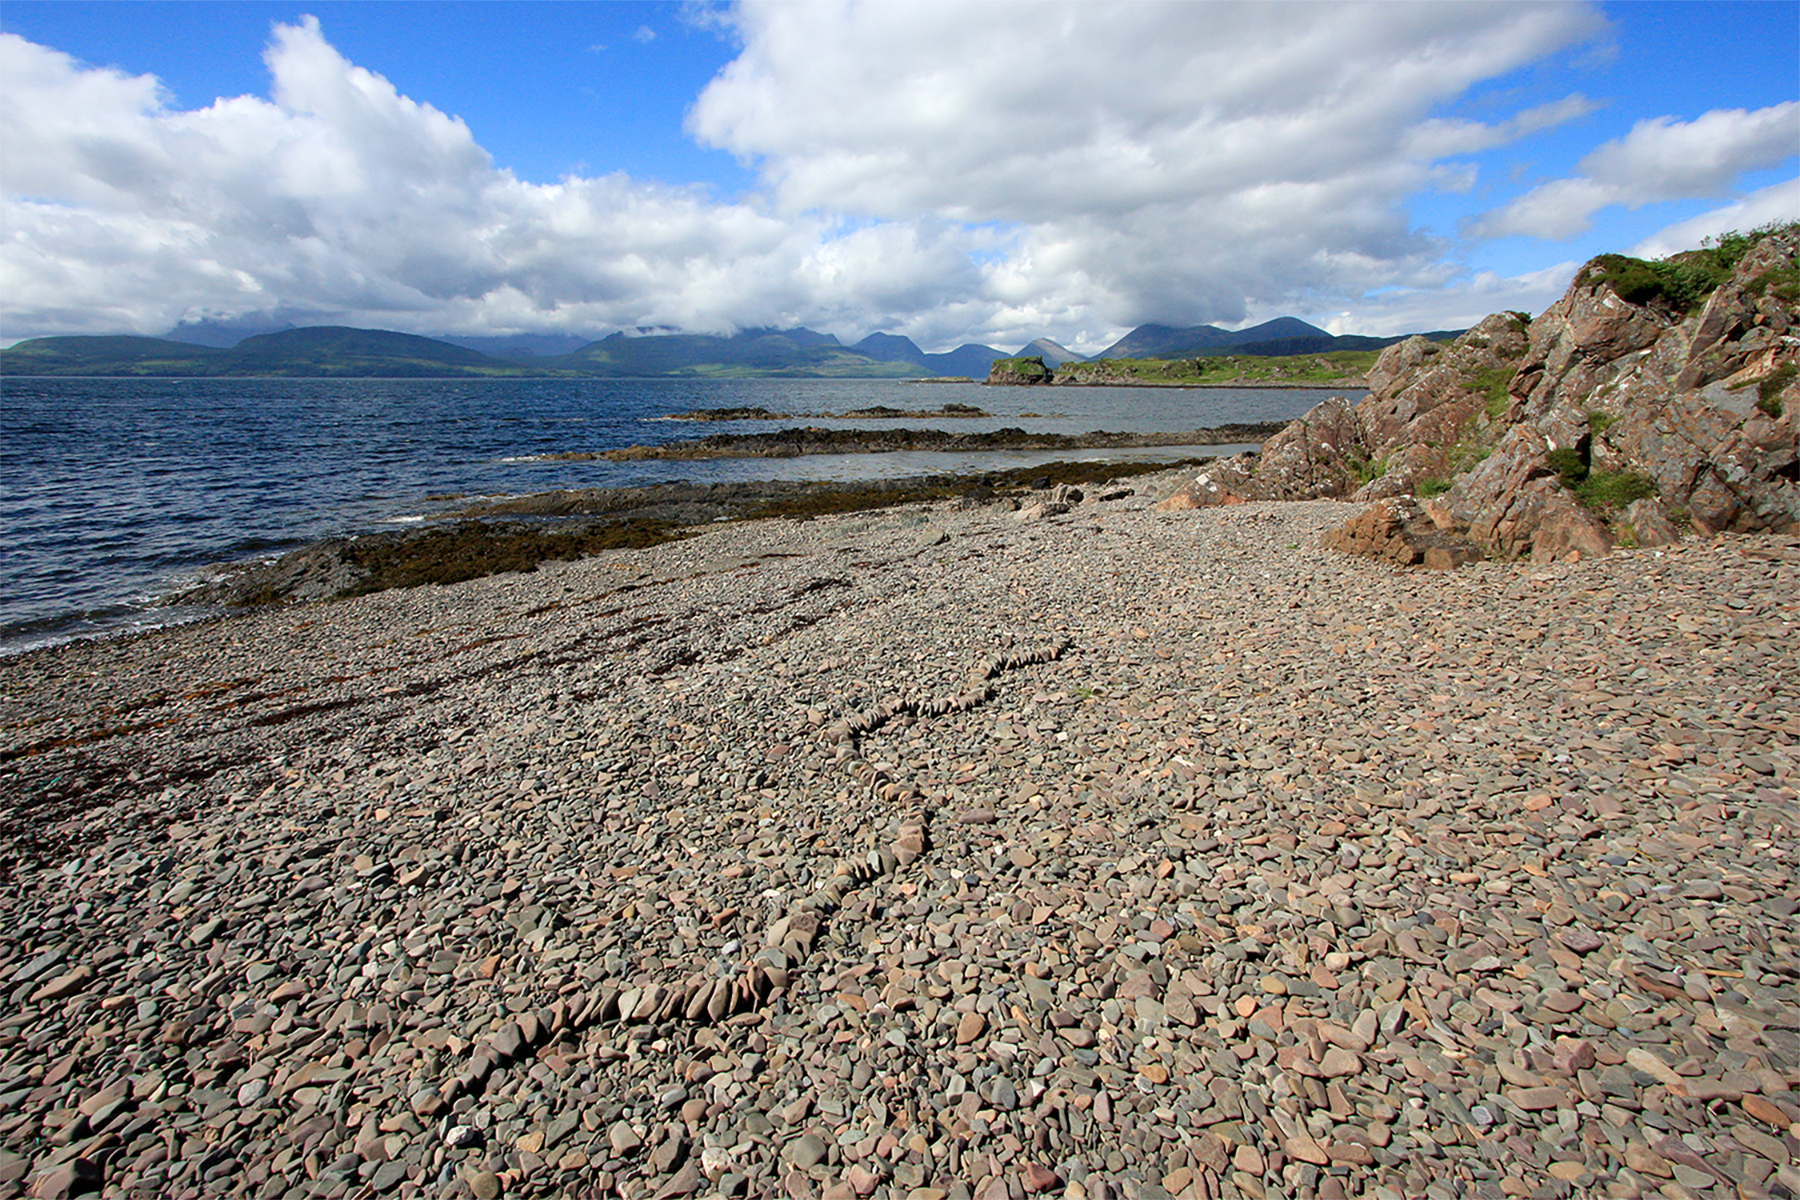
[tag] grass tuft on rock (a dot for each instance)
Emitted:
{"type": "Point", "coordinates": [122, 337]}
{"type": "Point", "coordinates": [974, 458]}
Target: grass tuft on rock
{"type": "Point", "coordinates": [1770, 387]}
{"type": "Point", "coordinates": [1607, 492]}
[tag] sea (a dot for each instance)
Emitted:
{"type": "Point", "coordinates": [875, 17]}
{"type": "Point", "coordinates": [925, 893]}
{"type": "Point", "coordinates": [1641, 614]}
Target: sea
{"type": "Point", "coordinates": [116, 492]}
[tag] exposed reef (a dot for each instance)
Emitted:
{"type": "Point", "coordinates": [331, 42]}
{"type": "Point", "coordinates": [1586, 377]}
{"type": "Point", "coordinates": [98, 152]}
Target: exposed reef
{"type": "Point", "coordinates": [792, 443]}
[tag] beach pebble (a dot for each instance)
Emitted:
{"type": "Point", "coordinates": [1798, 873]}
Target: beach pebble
{"type": "Point", "coordinates": [1157, 853]}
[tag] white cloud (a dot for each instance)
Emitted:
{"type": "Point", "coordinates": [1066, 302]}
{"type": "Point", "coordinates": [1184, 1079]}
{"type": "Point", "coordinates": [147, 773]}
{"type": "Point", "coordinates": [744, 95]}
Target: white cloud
{"type": "Point", "coordinates": [1778, 202]}
{"type": "Point", "coordinates": [1044, 110]}
{"type": "Point", "coordinates": [981, 172]}
{"type": "Point", "coordinates": [1457, 305]}
{"type": "Point", "coordinates": [1660, 159]}
{"type": "Point", "coordinates": [1441, 137]}
{"type": "Point", "coordinates": [339, 196]}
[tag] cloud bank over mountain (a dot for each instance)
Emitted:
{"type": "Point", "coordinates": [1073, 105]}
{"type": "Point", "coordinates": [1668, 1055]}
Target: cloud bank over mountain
{"type": "Point", "coordinates": [985, 173]}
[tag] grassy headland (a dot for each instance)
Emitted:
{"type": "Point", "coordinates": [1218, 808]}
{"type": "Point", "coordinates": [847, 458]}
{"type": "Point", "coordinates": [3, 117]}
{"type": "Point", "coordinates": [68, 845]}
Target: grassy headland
{"type": "Point", "coordinates": [1336, 368]}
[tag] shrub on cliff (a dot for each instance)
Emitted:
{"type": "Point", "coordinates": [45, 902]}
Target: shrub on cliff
{"type": "Point", "coordinates": [1683, 281]}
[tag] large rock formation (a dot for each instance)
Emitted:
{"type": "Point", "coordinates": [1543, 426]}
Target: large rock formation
{"type": "Point", "coordinates": [1627, 412]}
{"type": "Point", "coordinates": [1025, 371]}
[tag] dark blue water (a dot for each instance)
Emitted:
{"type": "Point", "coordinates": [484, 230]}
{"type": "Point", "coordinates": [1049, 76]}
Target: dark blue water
{"type": "Point", "coordinates": [114, 491]}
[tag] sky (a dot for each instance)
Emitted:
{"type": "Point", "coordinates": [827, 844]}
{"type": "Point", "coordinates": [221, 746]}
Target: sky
{"type": "Point", "coordinates": [952, 172]}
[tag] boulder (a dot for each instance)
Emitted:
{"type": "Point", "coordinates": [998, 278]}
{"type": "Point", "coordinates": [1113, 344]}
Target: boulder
{"type": "Point", "coordinates": [1315, 455]}
{"type": "Point", "coordinates": [1224, 481]}
{"type": "Point", "coordinates": [1397, 531]}
{"type": "Point", "coordinates": [1647, 523]}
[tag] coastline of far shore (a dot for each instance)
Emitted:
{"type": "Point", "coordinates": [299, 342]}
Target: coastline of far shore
{"type": "Point", "coordinates": [1037, 841]}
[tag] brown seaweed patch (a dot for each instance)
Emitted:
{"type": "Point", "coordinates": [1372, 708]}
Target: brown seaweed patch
{"type": "Point", "coordinates": [472, 550]}
{"type": "Point", "coordinates": [800, 441]}
{"type": "Point", "coordinates": [820, 500]}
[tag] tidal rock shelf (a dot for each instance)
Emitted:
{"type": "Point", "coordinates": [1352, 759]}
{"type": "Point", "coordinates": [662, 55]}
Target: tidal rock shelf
{"type": "Point", "coordinates": [793, 443]}
{"type": "Point", "coordinates": [1082, 849]}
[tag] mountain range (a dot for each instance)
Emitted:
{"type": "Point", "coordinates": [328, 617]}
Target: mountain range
{"type": "Point", "coordinates": [327, 351]}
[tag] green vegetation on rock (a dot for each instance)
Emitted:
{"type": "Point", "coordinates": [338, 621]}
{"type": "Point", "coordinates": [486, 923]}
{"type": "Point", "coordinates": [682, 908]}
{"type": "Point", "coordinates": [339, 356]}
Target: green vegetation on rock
{"type": "Point", "coordinates": [1366, 471]}
{"type": "Point", "coordinates": [1769, 388]}
{"type": "Point", "coordinates": [1019, 370]}
{"type": "Point", "coordinates": [1336, 368]}
{"type": "Point", "coordinates": [1605, 492]}
{"type": "Point", "coordinates": [1492, 383]}
{"type": "Point", "coordinates": [1682, 282]}
{"type": "Point", "coordinates": [1436, 485]}
{"type": "Point", "coordinates": [1782, 282]}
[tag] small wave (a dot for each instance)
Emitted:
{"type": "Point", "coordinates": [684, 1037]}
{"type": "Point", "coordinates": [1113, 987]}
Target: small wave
{"type": "Point", "coordinates": [118, 621]}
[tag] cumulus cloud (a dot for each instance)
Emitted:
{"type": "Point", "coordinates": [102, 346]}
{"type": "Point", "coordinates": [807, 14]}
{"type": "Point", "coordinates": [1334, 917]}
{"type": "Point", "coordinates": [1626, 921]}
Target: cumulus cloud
{"type": "Point", "coordinates": [1251, 154]}
{"type": "Point", "coordinates": [340, 196]}
{"type": "Point", "coordinates": [1765, 206]}
{"type": "Point", "coordinates": [1660, 159]}
{"type": "Point", "coordinates": [1458, 305]}
{"type": "Point", "coordinates": [969, 172]}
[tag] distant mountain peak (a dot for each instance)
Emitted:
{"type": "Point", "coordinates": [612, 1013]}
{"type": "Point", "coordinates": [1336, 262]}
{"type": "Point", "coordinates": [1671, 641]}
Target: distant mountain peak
{"type": "Point", "coordinates": [1283, 335]}
{"type": "Point", "coordinates": [1054, 354]}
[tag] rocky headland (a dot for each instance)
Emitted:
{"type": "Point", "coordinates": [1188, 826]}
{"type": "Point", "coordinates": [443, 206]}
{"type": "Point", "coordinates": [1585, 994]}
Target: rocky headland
{"type": "Point", "coordinates": [1297, 371]}
{"type": "Point", "coordinates": [1650, 402]}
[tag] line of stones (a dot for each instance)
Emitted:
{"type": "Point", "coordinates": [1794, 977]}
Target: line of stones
{"type": "Point", "coordinates": [788, 940]}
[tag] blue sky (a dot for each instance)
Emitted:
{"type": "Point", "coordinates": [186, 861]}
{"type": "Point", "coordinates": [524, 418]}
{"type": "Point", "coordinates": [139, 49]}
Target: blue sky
{"type": "Point", "coordinates": [968, 172]}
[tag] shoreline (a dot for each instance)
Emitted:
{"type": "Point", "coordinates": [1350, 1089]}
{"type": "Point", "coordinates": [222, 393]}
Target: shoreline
{"type": "Point", "coordinates": [520, 533]}
{"type": "Point", "coordinates": [943, 846]}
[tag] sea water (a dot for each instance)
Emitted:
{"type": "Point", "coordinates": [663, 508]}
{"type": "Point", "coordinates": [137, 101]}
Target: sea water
{"type": "Point", "coordinates": [115, 491]}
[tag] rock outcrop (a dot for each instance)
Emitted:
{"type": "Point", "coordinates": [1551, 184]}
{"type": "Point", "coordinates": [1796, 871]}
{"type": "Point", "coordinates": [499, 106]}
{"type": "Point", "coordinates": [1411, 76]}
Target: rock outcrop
{"type": "Point", "coordinates": [1626, 413]}
{"type": "Point", "coordinates": [1020, 371]}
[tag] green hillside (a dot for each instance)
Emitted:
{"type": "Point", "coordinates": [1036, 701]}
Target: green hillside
{"type": "Point", "coordinates": [757, 353]}
{"type": "Point", "coordinates": [1337, 368]}
{"type": "Point", "coordinates": [119, 355]}
{"type": "Point", "coordinates": [332, 351]}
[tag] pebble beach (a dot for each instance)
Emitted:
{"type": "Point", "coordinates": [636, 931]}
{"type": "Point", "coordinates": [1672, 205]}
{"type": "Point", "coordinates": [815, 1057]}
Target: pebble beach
{"type": "Point", "coordinates": [946, 851]}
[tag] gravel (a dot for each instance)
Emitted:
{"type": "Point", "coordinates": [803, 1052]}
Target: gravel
{"type": "Point", "coordinates": [950, 851]}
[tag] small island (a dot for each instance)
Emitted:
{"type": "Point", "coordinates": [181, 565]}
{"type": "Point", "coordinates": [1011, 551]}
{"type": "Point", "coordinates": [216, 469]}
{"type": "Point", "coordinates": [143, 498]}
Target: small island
{"type": "Point", "coordinates": [1337, 368]}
